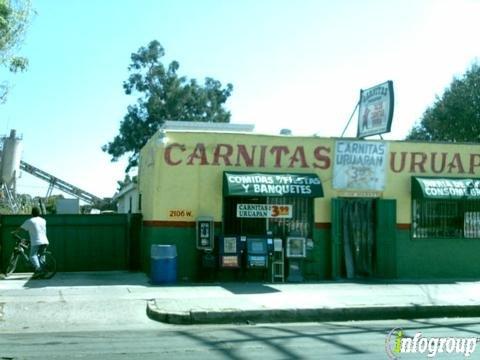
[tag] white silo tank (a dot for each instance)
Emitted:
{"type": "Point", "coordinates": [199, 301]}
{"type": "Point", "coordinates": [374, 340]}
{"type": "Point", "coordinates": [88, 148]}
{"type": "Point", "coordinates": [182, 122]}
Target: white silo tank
{"type": "Point", "coordinates": [11, 156]}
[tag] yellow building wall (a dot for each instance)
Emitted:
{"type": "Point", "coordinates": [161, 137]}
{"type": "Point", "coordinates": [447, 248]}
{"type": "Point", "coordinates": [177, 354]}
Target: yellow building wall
{"type": "Point", "coordinates": [181, 172]}
{"type": "Point", "coordinates": [188, 189]}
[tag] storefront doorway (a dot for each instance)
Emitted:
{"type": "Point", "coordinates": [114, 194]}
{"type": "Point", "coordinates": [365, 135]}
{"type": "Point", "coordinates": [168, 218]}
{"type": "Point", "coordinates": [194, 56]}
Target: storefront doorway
{"type": "Point", "coordinates": [358, 235]}
{"type": "Point", "coordinates": [363, 238]}
{"type": "Point", "coordinates": [355, 237]}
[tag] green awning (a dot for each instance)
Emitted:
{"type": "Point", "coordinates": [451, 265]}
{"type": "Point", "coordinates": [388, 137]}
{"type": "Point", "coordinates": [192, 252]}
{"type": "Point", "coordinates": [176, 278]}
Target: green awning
{"type": "Point", "coordinates": [271, 184]}
{"type": "Point", "coordinates": [445, 188]}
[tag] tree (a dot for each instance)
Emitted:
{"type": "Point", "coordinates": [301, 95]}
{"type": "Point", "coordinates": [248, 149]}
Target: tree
{"type": "Point", "coordinates": [15, 15]}
{"type": "Point", "coordinates": [164, 95]}
{"type": "Point", "coordinates": [455, 117]}
{"type": "Point", "coordinates": [127, 180]}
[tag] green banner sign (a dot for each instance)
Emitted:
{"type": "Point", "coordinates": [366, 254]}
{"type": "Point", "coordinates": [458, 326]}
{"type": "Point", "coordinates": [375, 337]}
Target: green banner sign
{"type": "Point", "coordinates": [271, 184]}
{"type": "Point", "coordinates": [442, 188]}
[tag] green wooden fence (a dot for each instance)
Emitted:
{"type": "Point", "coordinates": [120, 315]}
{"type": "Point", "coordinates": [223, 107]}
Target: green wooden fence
{"type": "Point", "coordinates": [83, 242]}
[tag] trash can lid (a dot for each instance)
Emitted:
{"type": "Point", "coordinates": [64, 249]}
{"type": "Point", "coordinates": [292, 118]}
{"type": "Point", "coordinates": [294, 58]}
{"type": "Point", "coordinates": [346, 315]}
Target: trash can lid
{"type": "Point", "coordinates": [162, 251]}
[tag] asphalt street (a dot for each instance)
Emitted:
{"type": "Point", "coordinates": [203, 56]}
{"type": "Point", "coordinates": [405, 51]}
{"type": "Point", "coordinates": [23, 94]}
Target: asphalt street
{"type": "Point", "coordinates": [340, 340]}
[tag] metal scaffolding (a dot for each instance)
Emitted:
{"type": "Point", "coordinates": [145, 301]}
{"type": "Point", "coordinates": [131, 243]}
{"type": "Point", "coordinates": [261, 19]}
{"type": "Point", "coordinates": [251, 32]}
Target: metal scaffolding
{"type": "Point", "coordinates": [55, 182]}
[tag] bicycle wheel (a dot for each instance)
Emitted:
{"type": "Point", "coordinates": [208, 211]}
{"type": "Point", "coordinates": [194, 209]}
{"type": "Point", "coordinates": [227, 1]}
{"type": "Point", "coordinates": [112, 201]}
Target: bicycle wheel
{"type": "Point", "coordinates": [49, 265]}
{"type": "Point", "coordinates": [12, 264]}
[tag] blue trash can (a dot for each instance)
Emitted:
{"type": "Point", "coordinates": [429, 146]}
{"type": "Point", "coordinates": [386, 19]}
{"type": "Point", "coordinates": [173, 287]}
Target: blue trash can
{"type": "Point", "coordinates": [163, 264]}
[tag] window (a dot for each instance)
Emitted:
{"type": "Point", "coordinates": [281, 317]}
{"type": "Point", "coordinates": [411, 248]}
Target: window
{"type": "Point", "coordinates": [302, 218]}
{"type": "Point", "coordinates": [279, 203]}
{"type": "Point", "coordinates": [445, 218]}
{"type": "Point", "coordinates": [445, 208]}
{"type": "Point", "coordinates": [242, 226]}
{"type": "Point", "coordinates": [300, 223]}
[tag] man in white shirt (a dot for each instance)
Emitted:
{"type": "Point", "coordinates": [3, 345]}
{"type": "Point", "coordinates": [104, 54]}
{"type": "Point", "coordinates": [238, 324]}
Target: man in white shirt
{"type": "Point", "coordinates": [37, 229]}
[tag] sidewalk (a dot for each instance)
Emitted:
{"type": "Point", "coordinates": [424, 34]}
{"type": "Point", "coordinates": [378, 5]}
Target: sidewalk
{"type": "Point", "coordinates": [229, 302]}
{"type": "Point", "coordinates": [328, 301]}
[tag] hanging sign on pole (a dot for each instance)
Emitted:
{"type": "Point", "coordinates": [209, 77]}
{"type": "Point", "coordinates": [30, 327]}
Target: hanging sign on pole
{"type": "Point", "coordinates": [375, 110]}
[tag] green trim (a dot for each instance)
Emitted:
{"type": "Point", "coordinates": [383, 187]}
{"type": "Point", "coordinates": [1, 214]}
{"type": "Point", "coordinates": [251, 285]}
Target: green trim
{"type": "Point", "coordinates": [445, 188]}
{"type": "Point", "coordinates": [434, 258]}
{"type": "Point", "coordinates": [271, 184]}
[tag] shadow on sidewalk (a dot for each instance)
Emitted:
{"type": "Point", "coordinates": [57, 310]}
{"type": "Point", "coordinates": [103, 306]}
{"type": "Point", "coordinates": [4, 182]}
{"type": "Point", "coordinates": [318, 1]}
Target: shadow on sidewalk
{"type": "Point", "coordinates": [118, 278]}
{"type": "Point", "coordinates": [249, 288]}
{"type": "Point", "coordinates": [89, 278]}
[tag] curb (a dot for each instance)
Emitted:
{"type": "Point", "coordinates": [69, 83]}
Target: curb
{"type": "Point", "coordinates": [310, 315]}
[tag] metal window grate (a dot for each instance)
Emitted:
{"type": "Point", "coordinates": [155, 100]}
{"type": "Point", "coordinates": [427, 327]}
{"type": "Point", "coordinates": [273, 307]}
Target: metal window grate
{"type": "Point", "coordinates": [299, 224]}
{"type": "Point", "coordinates": [432, 218]}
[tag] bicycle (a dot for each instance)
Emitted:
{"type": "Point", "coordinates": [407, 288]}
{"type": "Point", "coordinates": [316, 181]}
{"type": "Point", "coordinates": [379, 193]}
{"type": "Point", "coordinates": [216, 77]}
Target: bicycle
{"type": "Point", "coordinates": [21, 251]}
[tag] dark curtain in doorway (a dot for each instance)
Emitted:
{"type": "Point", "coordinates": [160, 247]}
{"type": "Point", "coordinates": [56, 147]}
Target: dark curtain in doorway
{"type": "Point", "coordinates": [359, 237]}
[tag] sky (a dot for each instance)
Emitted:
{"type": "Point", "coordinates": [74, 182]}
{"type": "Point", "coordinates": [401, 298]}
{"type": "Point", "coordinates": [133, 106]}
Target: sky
{"type": "Point", "coordinates": [293, 64]}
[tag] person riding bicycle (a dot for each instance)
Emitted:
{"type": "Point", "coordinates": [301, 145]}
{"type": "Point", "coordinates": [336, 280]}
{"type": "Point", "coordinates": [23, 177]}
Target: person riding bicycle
{"type": "Point", "coordinates": [36, 227]}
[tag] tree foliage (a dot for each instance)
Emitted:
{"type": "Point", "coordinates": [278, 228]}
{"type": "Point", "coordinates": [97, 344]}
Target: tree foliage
{"type": "Point", "coordinates": [454, 117]}
{"type": "Point", "coordinates": [163, 95]}
{"type": "Point", "coordinates": [127, 180]}
{"type": "Point", "coordinates": [15, 16]}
